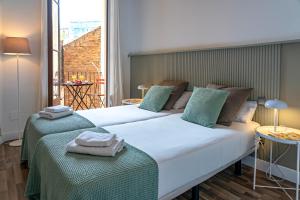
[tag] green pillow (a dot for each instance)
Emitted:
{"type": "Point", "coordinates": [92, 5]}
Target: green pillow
{"type": "Point", "coordinates": [156, 98]}
{"type": "Point", "coordinates": [205, 106]}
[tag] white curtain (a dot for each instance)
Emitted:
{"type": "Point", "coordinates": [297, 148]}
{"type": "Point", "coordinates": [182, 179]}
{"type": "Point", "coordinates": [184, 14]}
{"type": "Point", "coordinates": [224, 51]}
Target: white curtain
{"type": "Point", "coordinates": [43, 72]}
{"type": "Point", "coordinates": [115, 74]}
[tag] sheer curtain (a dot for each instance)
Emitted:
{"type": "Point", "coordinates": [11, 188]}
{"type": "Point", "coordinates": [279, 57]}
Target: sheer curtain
{"type": "Point", "coordinates": [115, 80]}
{"type": "Point", "coordinates": [43, 72]}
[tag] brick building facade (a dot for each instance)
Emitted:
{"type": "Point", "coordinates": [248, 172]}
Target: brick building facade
{"type": "Point", "coordinates": [79, 54]}
{"type": "Point", "coordinates": [78, 58]}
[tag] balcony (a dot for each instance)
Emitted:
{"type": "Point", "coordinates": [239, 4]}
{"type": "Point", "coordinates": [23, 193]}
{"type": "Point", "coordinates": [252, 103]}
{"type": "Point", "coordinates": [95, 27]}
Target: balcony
{"type": "Point", "coordinates": [82, 95]}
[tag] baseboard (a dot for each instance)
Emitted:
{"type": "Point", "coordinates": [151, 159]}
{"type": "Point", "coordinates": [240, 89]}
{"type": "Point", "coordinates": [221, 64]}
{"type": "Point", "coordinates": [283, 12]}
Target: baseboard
{"type": "Point", "coordinates": [289, 174]}
{"type": "Point", "coordinates": [7, 136]}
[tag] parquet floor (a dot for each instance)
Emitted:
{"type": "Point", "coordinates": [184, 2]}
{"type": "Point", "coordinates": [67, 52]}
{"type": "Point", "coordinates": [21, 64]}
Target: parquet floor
{"type": "Point", "coordinates": [223, 186]}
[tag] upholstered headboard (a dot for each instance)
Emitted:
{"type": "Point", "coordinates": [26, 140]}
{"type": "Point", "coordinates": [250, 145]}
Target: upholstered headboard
{"type": "Point", "coordinates": [256, 66]}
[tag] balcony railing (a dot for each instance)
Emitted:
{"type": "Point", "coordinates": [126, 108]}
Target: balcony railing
{"type": "Point", "coordinates": [94, 97]}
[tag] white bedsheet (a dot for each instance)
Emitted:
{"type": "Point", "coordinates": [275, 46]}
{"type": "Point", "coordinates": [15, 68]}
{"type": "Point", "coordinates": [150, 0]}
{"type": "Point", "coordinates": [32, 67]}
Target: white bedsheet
{"type": "Point", "coordinates": [120, 115]}
{"type": "Point", "coordinates": [185, 151]}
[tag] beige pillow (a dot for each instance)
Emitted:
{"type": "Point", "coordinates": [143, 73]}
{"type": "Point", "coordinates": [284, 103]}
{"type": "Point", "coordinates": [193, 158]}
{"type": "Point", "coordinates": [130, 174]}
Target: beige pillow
{"type": "Point", "coordinates": [234, 102]}
{"type": "Point", "coordinates": [182, 101]}
{"type": "Point", "coordinates": [179, 88]}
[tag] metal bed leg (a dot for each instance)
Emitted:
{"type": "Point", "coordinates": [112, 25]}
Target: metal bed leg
{"type": "Point", "coordinates": [195, 193]}
{"type": "Point", "coordinates": [238, 168]}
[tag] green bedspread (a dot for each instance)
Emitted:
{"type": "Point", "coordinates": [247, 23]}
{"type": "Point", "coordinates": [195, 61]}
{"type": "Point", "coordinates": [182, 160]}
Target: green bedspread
{"type": "Point", "coordinates": [37, 127]}
{"type": "Point", "coordinates": [56, 174]}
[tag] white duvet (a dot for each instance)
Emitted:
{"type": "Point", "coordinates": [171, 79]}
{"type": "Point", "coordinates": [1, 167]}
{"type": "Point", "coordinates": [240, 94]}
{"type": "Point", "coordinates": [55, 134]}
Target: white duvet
{"type": "Point", "coordinates": [120, 115]}
{"type": "Point", "coordinates": [185, 151]}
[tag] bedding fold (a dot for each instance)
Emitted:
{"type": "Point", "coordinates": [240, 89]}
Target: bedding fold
{"type": "Point", "coordinates": [131, 174]}
{"type": "Point", "coordinates": [37, 127]}
{"type": "Point", "coordinates": [93, 139]}
{"type": "Point", "coordinates": [116, 146]}
{"type": "Point", "coordinates": [55, 115]}
{"type": "Point", "coordinates": [57, 109]}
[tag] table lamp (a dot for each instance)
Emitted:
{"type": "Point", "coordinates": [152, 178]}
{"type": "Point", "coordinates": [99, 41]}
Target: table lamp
{"type": "Point", "coordinates": [16, 46]}
{"type": "Point", "coordinates": [143, 88]}
{"type": "Point", "coordinates": [276, 105]}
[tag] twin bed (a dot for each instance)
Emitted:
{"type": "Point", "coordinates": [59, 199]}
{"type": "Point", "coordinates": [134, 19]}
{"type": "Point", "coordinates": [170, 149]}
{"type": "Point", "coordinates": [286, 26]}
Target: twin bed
{"type": "Point", "coordinates": [37, 127]}
{"type": "Point", "coordinates": [164, 155]}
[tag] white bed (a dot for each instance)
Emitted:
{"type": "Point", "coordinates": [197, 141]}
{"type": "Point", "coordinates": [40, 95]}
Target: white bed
{"type": "Point", "coordinates": [187, 153]}
{"type": "Point", "coordinates": [121, 114]}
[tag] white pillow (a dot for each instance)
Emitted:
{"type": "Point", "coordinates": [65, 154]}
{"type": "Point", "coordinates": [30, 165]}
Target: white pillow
{"type": "Point", "coordinates": [182, 101]}
{"type": "Point", "coordinates": [246, 112]}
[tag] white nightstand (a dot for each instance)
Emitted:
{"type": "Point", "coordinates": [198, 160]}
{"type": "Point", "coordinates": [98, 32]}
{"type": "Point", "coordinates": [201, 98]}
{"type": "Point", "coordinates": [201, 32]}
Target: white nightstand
{"type": "Point", "coordinates": [131, 101]}
{"type": "Point", "coordinates": [283, 135]}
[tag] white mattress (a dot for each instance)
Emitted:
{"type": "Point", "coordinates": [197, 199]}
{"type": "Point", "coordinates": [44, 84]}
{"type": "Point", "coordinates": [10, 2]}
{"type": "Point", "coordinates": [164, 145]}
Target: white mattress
{"type": "Point", "coordinates": [120, 115]}
{"type": "Point", "coordinates": [185, 151]}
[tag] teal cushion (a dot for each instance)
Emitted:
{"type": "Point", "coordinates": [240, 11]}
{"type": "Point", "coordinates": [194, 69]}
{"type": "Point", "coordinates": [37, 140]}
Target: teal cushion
{"type": "Point", "coordinates": [156, 98]}
{"type": "Point", "coordinates": [205, 106]}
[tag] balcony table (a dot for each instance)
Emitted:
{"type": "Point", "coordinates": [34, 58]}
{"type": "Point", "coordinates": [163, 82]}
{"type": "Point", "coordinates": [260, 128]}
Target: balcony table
{"type": "Point", "coordinates": [78, 96]}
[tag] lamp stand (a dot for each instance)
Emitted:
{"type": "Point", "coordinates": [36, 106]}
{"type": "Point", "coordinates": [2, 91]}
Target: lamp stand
{"type": "Point", "coordinates": [18, 142]}
{"type": "Point", "coordinates": [143, 93]}
{"type": "Point", "coordinates": [275, 119]}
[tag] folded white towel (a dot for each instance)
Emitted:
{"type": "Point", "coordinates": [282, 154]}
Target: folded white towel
{"type": "Point", "coordinates": [50, 115]}
{"type": "Point", "coordinates": [93, 139]}
{"type": "Point", "coordinates": [116, 147]}
{"type": "Point", "coordinates": [57, 109]}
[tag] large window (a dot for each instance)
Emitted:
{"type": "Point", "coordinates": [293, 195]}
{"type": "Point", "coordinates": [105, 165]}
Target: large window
{"type": "Point", "coordinates": [77, 53]}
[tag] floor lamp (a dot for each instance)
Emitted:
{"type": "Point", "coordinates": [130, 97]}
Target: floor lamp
{"type": "Point", "coordinates": [16, 46]}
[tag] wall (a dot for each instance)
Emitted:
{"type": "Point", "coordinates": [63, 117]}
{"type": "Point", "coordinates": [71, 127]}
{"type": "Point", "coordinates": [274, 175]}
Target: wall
{"type": "Point", "coordinates": [80, 53]}
{"type": "Point", "coordinates": [290, 82]}
{"type": "Point", "coordinates": [171, 24]}
{"type": "Point", "coordinates": [128, 33]}
{"type": "Point", "coordinates": [20, 19]}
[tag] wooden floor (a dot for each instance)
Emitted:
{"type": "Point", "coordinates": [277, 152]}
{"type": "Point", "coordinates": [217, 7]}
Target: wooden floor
{"type": "Point", "coordinates": [224, 185]}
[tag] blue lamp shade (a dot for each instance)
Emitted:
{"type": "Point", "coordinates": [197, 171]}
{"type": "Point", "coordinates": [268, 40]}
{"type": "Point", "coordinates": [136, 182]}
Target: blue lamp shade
{"type": "Point", "coordinates": [276, 104]}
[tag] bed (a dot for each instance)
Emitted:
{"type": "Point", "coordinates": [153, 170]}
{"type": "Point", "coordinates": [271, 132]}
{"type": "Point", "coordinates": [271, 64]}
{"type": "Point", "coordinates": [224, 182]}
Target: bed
{"type": "Point", "coordinates": [174, 144]}
{"type": "Point", "coordinates": [37, 127]}
{"type": "Point", "coordinates": [121, 114]}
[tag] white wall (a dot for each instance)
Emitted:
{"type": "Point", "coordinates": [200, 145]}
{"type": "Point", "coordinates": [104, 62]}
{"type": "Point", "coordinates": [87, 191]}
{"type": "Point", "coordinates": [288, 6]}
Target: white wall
{"type": "Point", "coordinates": [171, 24]}
{"type": "Point", "coordinates": [128, 21]}
{"type": "Point", "coordinates": [154, 25]}
{"type": "Point", "coordinates": [21, 19]}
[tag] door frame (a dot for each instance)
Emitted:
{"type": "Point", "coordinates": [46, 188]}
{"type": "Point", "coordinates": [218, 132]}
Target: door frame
{"type": "Point", "coordinates": [50, 52]}
{"type": "Point", "coordinates": [50, 49]}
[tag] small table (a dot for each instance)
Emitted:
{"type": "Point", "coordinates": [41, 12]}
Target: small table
{"type": "Point", "coordinates": [75, 91]}
{"type": "Point", "coordinates": [131, 101]}
{"type": "Point", "coordinates": [284, 135]}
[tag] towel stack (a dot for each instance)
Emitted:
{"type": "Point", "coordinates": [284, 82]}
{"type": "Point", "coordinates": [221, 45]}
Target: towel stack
{"type": "Point", "coordinates": [99, 144]}
{"type": "Point", "coordinates": [55, 112]}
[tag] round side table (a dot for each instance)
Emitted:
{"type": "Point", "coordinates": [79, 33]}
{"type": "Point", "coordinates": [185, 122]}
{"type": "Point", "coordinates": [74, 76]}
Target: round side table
{"type": "Point", "coordinates": [284, 135]}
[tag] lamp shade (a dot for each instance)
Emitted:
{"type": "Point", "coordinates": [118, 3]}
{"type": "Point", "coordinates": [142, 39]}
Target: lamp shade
{"type": "Point", "coordinates": [16, 46]}
{"type": "Point", "coordinates": [142, 87]}
{"type": "Point", "coordinates": [276, 104]}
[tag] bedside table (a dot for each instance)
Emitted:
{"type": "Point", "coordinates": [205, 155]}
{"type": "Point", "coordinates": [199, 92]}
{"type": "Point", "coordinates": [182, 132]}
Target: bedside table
{"type": "Point", "coordinates": [131, 101]}
{"type": "Point", "coordinates": [284, 135]}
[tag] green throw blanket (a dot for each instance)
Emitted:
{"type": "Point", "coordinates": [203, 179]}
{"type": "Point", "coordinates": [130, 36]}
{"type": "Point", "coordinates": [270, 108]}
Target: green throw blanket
{"type": "Point", "coordinates": [37, 127]}
{"type": "Point", "coordinates": [56, 174]}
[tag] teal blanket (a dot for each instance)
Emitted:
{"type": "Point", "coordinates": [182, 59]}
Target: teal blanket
{"type": "Point", "coordinates": [37, 127]}
{"type": "Point", "coordinates": [56, 174]}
